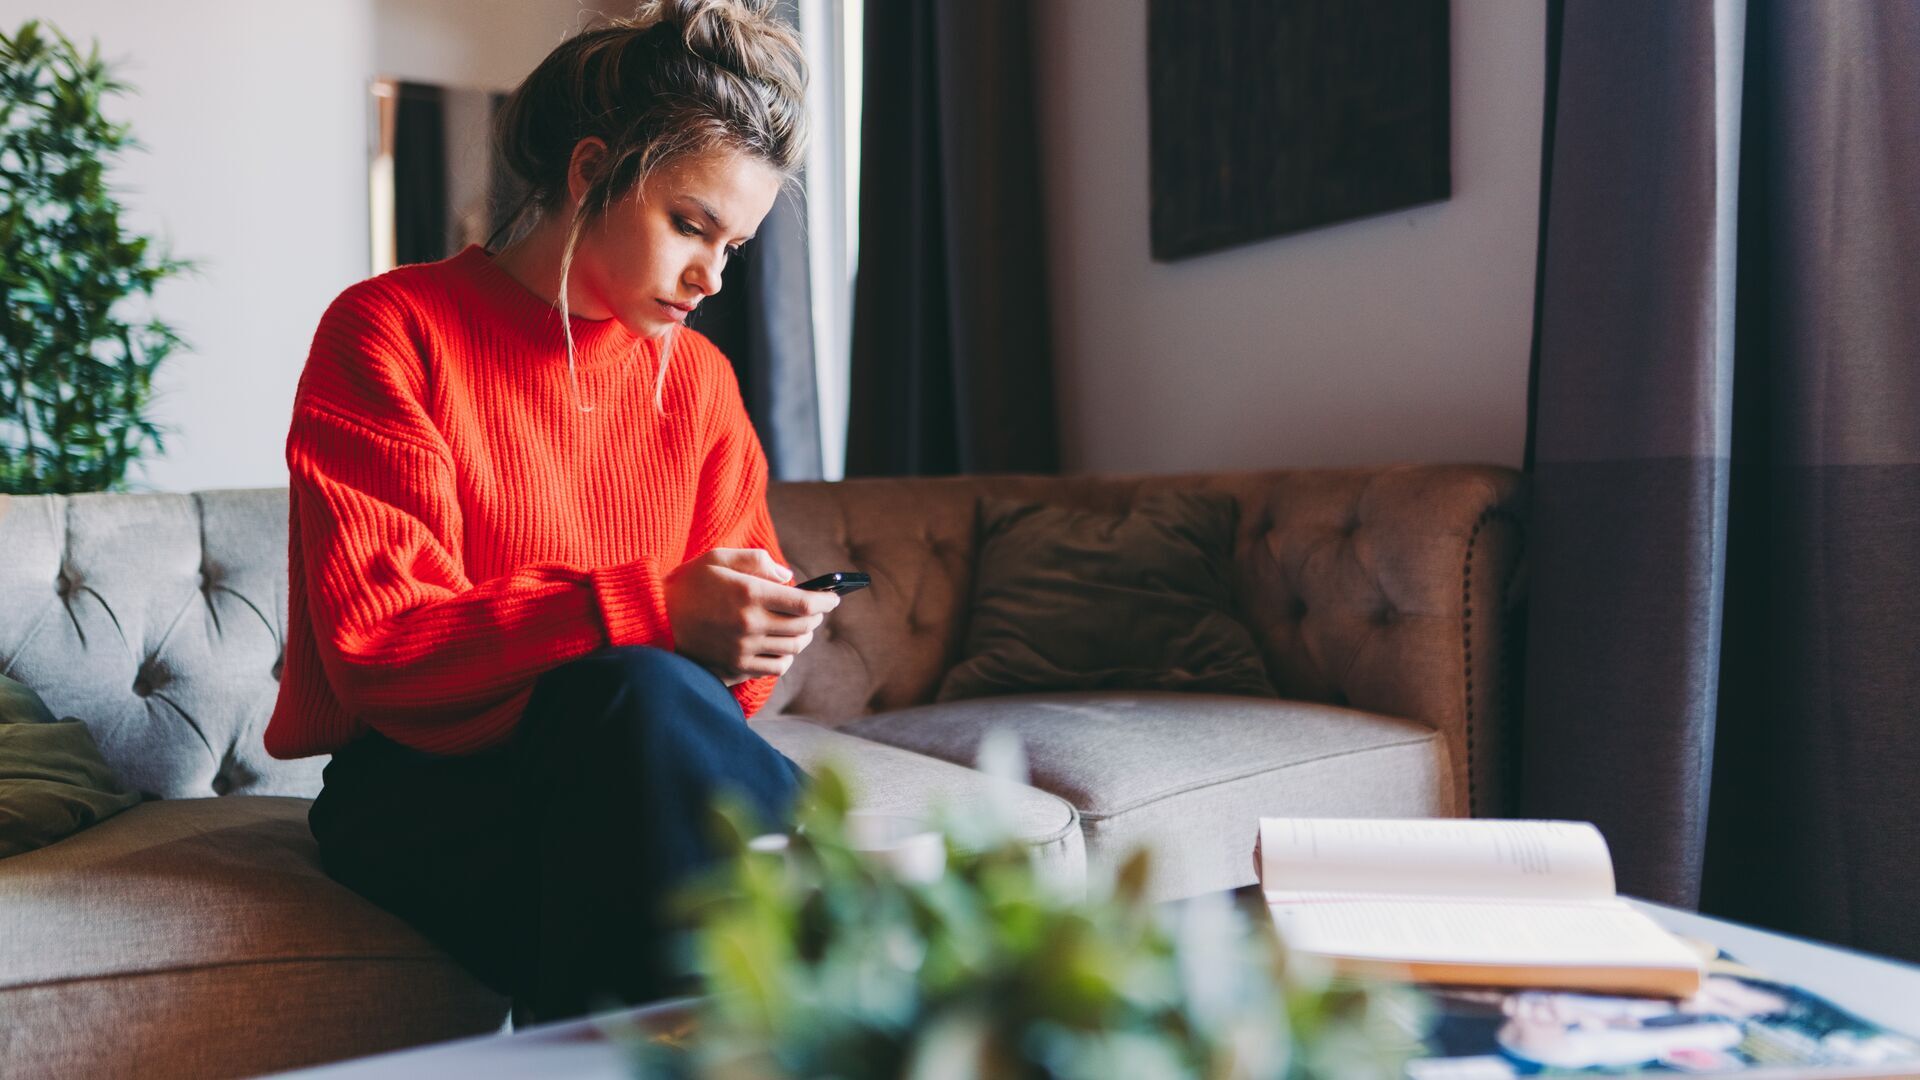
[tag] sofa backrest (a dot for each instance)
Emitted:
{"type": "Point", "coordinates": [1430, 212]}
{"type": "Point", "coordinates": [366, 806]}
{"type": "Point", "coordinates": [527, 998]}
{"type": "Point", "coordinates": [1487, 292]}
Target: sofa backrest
{"type": "Point", "coordinates": [1328, 561]}
{"type": "Point", "coordinates": [1383, 589]}
{"type": "Point", "coordinates": [159, 618]}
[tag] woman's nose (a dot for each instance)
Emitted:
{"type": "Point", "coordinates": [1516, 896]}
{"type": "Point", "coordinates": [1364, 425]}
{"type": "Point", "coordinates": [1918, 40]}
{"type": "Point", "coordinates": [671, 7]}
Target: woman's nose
{"type": "Point", "coordinates": [705, 274]}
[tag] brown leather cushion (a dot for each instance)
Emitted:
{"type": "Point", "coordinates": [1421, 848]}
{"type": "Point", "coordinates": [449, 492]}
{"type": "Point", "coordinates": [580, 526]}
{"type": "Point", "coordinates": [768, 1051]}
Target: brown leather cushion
{"type": "Point", "coordinates": [1070, 599]}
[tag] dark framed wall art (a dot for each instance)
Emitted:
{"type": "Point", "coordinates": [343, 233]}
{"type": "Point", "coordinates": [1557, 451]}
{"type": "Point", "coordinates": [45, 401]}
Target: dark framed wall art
{"type": "Point", "coordinates": [1275, 116]}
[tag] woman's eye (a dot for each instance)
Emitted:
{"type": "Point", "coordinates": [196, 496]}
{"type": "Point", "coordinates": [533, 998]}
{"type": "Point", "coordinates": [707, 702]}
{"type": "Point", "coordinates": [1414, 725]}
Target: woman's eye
{"type": "Point", "coordinates": [687, 228]}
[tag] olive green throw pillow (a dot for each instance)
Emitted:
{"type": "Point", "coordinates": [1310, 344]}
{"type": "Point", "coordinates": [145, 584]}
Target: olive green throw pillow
{"type": "Point", "coordinates": [1070, 599]}
{"type": "Point", "coordinates": [20, 705]}
{"type": "Point", "coordinates": [53, 781]}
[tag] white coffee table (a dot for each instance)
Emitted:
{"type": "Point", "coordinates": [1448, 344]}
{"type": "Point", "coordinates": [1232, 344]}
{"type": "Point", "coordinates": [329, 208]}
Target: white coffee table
{"type": "Point", "coordinates": [1886, 992]}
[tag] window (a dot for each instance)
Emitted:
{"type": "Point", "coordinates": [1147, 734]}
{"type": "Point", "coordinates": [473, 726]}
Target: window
{"type": "Point", "coordinates": [832, 31]}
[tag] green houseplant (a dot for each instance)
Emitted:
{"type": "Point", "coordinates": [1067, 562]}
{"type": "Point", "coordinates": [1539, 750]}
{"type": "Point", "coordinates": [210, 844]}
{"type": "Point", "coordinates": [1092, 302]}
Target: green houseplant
{"type": "Point", "coordinates": [818, 961]}
{"type": "Point", "coordinates": [76, 368]}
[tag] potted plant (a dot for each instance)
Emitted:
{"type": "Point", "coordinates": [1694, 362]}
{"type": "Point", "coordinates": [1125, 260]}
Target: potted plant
{"type": "Point", "coordinates": [76, 367]}
{"type": "Point", "coordinates": [819, 961]}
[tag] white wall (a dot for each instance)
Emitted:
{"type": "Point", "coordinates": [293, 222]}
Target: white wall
{"type": "Point", "coordinates": [485, 43]}
{"type": "Point", "coordinates": [253, 119]}
{"type": "Point", "coordinates": [1399, 337]}
{"type": "Point", "coordinates": [254, 116]}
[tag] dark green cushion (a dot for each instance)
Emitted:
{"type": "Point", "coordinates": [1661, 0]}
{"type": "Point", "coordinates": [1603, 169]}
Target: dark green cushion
{"type": "Point", "coordinates": [1069, 599]}
{"type": "Point", "coordinates": [53, 781]}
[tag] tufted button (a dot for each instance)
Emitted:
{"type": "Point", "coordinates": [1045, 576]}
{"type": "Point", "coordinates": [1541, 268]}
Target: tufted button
{"type": "Point", "coordinates": [151, 678]}
{"type": "Point", "coordinates": [63, 585]}
{"type": "Point", "coordinates": [1384, 614]}
{"type": "Point", "coordinates": [279, 662]}
{"type": "Point", "coordinates": [1298, 609]}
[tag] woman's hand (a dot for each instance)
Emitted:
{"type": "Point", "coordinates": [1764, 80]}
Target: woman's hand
{"type": "Point", "coordinates": [732, 612]}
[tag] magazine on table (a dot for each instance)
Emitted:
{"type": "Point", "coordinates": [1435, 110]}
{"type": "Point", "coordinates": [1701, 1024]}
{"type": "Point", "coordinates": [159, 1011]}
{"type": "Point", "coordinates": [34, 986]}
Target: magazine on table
{"type": "Point", "coordinates": [1739, 1022]}
{"type": "Point", "coordinates": [1534, 967]}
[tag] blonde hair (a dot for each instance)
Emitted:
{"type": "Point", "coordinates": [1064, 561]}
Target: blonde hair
{"type": "Point", "coordinates": [676, 79]}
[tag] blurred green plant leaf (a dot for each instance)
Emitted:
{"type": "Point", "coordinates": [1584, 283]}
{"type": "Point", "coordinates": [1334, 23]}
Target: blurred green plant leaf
{"type": "Point", "coordinates": [819, 961]}
{"type": "Point", "coordinates": [78, 376]}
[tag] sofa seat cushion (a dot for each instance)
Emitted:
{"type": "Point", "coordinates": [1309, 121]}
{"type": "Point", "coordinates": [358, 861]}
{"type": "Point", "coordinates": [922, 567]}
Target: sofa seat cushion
{"type": "Point", "coordinates": [891, 779]}
{"type": "Point", "coordinates": [1189, 775]}
{"type": "Point", "coordinates": [122, 946]}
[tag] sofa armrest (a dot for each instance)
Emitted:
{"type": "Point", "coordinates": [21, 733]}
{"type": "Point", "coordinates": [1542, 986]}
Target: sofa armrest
{"type": "Point", "coordinates": [1394, 590]}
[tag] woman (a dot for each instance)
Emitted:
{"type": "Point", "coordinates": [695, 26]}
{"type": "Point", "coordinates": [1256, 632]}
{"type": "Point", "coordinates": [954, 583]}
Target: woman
{"type": "Point", "coordinates": [534, 586]}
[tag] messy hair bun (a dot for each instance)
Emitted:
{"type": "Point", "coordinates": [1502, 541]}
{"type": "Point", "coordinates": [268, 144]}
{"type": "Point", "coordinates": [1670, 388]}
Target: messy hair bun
{"type": "Point", "coordinates": [675, 79]}
{"type": "Point", "coordinates": [745, 38]}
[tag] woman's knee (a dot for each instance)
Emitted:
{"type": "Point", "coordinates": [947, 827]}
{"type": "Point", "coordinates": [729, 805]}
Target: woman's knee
{"type": "Point", "coordinates": [634, 673]}
{"type": "Point", "coordinates": [650, 725]}
{"type": "Point", "coordinates": [648, 665]}
{"type": "Point", "coordinates": [631, 693]}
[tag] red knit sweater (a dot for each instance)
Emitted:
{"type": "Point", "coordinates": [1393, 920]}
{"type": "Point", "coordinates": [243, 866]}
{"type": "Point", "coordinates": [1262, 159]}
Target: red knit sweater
{"type": "Point", "coordinates": [459, 527]}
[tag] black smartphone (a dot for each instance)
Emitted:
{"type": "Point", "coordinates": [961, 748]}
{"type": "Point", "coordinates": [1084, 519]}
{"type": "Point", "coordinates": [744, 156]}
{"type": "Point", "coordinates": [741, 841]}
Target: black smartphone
{"type": "Point", "coordinates": [840, 581]}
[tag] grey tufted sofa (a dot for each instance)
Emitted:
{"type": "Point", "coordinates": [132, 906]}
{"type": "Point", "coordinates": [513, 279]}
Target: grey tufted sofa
{"type": "Point", "coordinates": [195, 935]}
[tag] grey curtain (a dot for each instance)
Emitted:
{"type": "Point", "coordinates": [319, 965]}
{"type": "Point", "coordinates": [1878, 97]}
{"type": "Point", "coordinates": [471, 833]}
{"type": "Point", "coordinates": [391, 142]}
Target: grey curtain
{"type": "Point", "coordinates": [1723, 656]}
{"type": "Point", "coordinates": [951, 363]}
{"type": "Point", "coordinates": [762, 319]}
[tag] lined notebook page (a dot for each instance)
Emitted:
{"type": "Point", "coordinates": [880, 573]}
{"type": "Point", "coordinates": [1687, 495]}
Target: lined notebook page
{"type": "Point", "coordinates": [1456, 857]}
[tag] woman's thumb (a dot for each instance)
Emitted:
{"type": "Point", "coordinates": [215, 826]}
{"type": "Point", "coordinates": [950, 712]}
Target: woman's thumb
{"type": "Point", "coordinates": [755, 561]}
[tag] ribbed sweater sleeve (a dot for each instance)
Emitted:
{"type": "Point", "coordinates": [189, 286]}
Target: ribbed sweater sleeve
{"type": "Point", "coordinates": [406, 638]}
{"type": "Point", "coordinates": [733, 512]}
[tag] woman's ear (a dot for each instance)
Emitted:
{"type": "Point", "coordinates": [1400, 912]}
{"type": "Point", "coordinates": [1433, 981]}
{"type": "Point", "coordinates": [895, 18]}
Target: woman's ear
{"type": "Point", "coordinates": [584, 167]}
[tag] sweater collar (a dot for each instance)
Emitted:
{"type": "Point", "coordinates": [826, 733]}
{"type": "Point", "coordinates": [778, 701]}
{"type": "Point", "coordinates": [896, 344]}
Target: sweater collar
{"type": "Point", "coordinates": [596, 342]}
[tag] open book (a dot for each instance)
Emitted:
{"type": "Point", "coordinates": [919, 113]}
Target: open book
{"type": "Point", "coordinates": [1479, 903]}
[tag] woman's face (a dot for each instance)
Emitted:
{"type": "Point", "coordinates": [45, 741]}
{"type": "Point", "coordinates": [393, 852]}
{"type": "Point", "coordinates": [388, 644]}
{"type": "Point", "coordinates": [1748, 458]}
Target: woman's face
{"type": "Point", "coordinates": [659, 252]}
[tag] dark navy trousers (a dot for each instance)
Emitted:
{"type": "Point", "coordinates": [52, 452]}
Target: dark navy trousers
{"type": "Point", "coordinates": [544, 864]}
